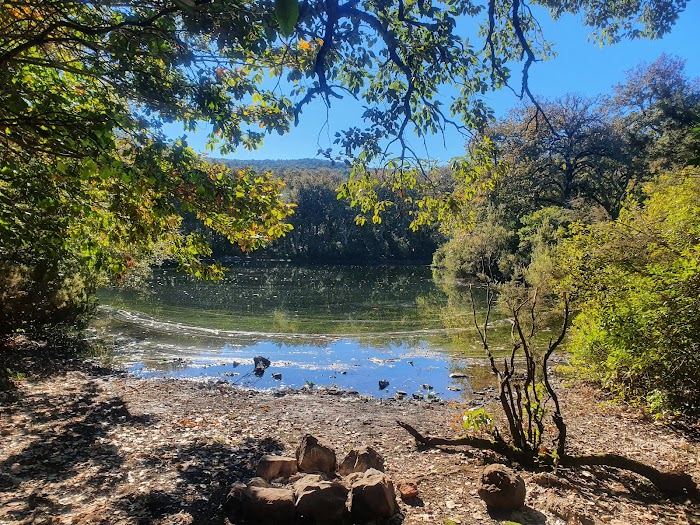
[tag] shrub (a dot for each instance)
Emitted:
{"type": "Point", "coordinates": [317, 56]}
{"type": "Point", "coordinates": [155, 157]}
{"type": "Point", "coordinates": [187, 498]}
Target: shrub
{"type": "Point", "coordinates": [638, 284]}
{"type": "Point", "coordinates": [38, 298]}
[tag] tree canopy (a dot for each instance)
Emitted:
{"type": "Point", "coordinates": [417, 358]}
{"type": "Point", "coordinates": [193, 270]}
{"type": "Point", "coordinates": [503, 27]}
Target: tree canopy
{"type": "Point", "coordinates": [90, 185]}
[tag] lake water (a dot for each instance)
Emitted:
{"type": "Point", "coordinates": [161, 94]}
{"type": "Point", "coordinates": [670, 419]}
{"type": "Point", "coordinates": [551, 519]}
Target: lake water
{"type": "Point", "coordinates": [343, 326]}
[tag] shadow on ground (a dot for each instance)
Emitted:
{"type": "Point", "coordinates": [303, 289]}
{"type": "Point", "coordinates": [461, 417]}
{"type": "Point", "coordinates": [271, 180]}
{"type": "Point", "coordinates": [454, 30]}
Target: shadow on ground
{"type": "Point", "coordinates": [61, 462]}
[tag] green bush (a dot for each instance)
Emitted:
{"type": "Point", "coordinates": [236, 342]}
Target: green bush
{"type": "Point", "coordinates": [485, 250]}
{"type": "Point", "coordinates": [637, 281]}
{"type": "Point", "coordinates": [41, 297]}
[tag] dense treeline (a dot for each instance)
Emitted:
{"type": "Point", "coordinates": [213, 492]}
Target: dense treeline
{"type": "Point", "coordinates": [325, 228]}
{"type": "Point", "coordinates": [598, 199]}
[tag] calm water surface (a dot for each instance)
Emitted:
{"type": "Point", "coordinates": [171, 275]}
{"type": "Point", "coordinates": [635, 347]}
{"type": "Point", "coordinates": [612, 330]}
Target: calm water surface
{"type": "Point", "coordinates": [341, 326]}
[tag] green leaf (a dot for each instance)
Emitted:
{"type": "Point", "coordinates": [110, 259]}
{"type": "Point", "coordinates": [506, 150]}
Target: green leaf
{"type": "Point", "coordinates": [287, 14]}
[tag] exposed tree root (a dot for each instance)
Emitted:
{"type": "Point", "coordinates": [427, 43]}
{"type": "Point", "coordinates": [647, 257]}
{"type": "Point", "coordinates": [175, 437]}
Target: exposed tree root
{"type": "Point", "coordinates": [668, 482]}
{"type": "Point", "coordinates": [672, 483]}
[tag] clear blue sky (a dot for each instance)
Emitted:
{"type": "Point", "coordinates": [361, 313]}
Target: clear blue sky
{"type": "Point", "coordinates": [581, 66]}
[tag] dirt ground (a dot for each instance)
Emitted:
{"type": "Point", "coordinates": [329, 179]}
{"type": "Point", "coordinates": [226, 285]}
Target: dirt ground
{"type": "Point", "coordinates": [93, 446]}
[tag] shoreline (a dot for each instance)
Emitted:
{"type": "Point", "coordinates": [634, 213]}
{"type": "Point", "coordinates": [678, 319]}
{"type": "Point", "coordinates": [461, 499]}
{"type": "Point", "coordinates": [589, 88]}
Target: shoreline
{"type": "Point", "coordinates": [91, 445]}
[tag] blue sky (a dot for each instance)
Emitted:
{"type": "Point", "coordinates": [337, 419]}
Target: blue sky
{"type": "Point", "coordinates": [581, 67]}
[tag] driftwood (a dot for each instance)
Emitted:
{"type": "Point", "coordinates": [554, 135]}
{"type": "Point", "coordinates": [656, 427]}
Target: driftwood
{"type": "Point", "coordinates": [673, 483]}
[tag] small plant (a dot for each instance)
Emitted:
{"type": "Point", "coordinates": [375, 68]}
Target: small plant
{"type": "Point", "coordinates": [478, 419]}
{"type": "Point", "coordinates": [310, 384]}
{"type": "Point", "coordinates": [14, 374]}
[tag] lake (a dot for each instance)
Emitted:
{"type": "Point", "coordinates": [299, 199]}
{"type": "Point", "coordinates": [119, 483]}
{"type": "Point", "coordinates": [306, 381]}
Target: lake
{"type": "Point", "coordinates": [348, 327]}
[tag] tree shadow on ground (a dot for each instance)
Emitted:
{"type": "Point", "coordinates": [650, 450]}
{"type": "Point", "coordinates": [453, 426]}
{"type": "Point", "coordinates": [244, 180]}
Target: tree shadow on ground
{"type": "Point", "coordinates": [65, 435]}
{"type": "Point", "coordinates": [614, 483]}
{"type": "Point", "coordinates": [21, 357]}
{"type": "Point", "coordinates": [526, 514]}
{"type": "Point", "coordinates": [206, 472]}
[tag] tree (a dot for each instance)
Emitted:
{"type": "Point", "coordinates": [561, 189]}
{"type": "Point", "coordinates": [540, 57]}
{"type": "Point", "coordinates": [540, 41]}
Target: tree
{"type": "Point", "coordinates": [580, 159]}
{"type": "Point", "coordinates": [659, 106]}
{"type": "Point", "coordinates": [577, 157]}
{"type": "Point", "coordinates": [86, 86]}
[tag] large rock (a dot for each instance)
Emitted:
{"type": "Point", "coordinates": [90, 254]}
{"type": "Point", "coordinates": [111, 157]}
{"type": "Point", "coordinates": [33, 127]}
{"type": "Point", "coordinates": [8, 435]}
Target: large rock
{"type": "Point", "coordinates": [372, 496]}
{"type": "Point", "coordinates": [272, 467]}
{"type": "Point", "coordinates": [321, 501]}
{"type": "Point", "coordinates": [314, 455]}
{"type": "Point", "coordinates": [260, 505]}
{"type": "Point", "coordinates": [361, 460]}
{"type": "Point", "coordinates": [501, 488]}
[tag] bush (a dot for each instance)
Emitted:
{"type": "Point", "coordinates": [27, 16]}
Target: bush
{"type": "Point", "coordinates": [485, 250]}
{"type": "Point", "coordinates": [638, 286]}
{"type": "Point", "coordinates": [38, 298]}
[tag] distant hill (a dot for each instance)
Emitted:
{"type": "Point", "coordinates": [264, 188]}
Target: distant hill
{"type": "Point", "coordinates": [279, 167]}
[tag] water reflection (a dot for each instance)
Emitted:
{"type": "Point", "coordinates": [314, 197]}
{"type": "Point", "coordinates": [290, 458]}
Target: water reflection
{"type": "Point", "coordinates": [345, 326]}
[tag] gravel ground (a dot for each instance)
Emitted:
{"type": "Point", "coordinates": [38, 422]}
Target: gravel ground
{"type": "Point", "coordinates": [91, 446]}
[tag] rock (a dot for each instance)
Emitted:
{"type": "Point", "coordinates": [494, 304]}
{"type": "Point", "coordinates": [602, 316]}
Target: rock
{"type": "Point", "coordinates": [454, 388]}
{"type": "Point", "coordinates": [321, 501]}
{"type": "Point", "coordinates": [547, 479]}
{"type": "Point", "coordinates": [261, 364]}
{"type": "Point", "coordinates": [372, 497]}
{"type": "Point", "coordinates": [314, 455]}
{"type": "Point", "coordinates": [270, 504]}
{"type": "Point", "coordinates": [361, 460]}
{"type": "Point", "coordinates": [427, 386]}
{"type": "Point", "coordinates": [408, 490]}
{"type": "Point", "coordinates": [456, 375]}
{"type": "Point", "coordinates": [383, 383]}
{"type": "Point", "coordinates": [563, 509]}
{"type": "Point", "coordinates": [271, 467]}
{"type": "Point", "coordinates": [260, 505]}
{"type": "Point", "coordinates": [258, 482]}
{"type": "Point", "coordinates": [400, 394]}
{"type": "Point", "coordinates": [418, 396]}
{"type": "Point", "coordinates": [277, 376]}
{"type": "Point", "coordinates": [501, 488]}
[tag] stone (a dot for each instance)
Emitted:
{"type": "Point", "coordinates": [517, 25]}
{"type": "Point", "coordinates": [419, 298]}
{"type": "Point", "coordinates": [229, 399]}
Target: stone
{"type": "Point", "coordinates": [457, 375]}
{"type": "Point", "coordinates": [277, 376]}
{"type": "Point", "coordinates": [417, 396]}
{"type": "Point", "coordinates": [258, 482]}
{"type": "Point", "coordinates": [272, 467]}
{"type": "Point", "coordinates": [547, 479]}
{"type": "Point", "coordinates": [372, 497]}
{"type": "Point", "coordinates": [261, 364]}
{"type": "Point", "coordinates": [426, 386]}
{"type": "Point", "coordinates": [400, 394]}
{"type": "Point", "coordinates": [314, 455]}
{"type": "Point", "coordinates": [260, 505]}
{"type": "Point", "coordinates": [454, 388]}
{"type": "Point", "coordinates": [563, 509]}
{"type": "Point", "coordinates": [267, 504]}
{"type": "Point", "coordinates": [408, 490]}
{"type": "Point", "coordinates": [501, 488]}
{"type": "Point", "coordinates": [360, 460]}
{"type": "Point", "coordinates": [383, 383]}
{"type": "Point", "coordinates": [321, 501]}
